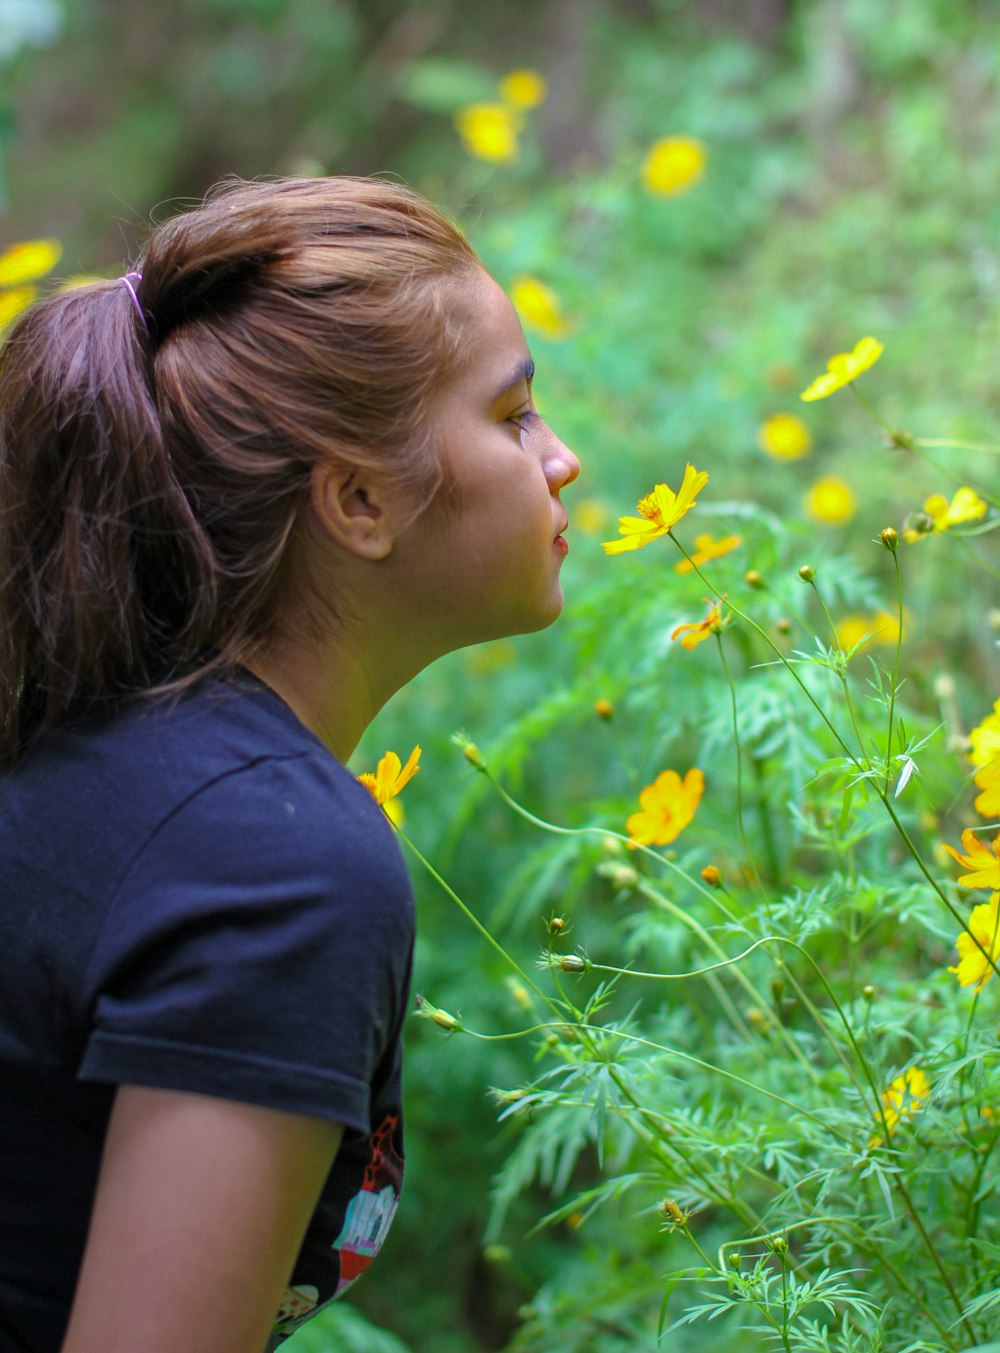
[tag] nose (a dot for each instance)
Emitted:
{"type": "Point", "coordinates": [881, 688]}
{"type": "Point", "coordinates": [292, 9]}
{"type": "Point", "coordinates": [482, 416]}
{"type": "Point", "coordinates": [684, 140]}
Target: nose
{"type": "Point", "coordinates": [561, 465]}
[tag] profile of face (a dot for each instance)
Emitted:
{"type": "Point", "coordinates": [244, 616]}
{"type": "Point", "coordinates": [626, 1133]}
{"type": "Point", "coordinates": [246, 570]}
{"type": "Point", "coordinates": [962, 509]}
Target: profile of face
{"type": "Point", "coordinates": [484, 558]}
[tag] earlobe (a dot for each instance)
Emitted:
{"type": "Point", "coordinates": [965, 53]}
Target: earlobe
{"type": "Point", "coordinates": [352, 511]}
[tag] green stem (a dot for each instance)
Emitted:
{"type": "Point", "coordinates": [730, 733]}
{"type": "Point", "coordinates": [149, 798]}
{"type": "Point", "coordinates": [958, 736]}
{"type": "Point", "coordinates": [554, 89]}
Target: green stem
{"type": "Point", "coordinates": [958, 446]}
{"type": "Point", "coordinates": [895, 672]}
{"type": "Point", "coordinates": [739, 758]}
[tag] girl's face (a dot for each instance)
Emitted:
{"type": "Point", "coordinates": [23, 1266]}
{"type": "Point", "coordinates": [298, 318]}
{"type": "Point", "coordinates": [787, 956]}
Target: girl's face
{"type": "Point", "coordinates": [485, 555]}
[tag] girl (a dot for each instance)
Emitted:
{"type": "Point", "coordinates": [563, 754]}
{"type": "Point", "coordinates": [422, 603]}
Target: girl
{"type": "Point", "coordinates": [247, 492]}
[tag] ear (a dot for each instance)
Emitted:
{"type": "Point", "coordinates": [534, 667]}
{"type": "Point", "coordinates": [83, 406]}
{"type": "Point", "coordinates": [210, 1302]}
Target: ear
{"type": "Point", "coordinates": [352, 510]}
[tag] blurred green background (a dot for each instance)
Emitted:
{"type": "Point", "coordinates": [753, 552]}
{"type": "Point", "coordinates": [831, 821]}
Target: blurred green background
{"type": "Point", "coordinates": [849, 187]}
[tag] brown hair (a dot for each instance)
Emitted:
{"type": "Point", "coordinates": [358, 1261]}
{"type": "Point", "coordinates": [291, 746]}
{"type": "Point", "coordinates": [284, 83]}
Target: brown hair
{"type": "Point", "coordinates": [152, 469]}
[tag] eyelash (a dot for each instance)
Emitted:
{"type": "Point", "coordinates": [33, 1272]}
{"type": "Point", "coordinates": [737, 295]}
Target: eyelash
{"type": "Point", "coordinates": [521, 419]}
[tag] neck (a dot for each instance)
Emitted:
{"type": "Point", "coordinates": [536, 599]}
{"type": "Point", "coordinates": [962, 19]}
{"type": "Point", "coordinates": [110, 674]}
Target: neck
{"type": "Point", "coordinates": [336, 690]}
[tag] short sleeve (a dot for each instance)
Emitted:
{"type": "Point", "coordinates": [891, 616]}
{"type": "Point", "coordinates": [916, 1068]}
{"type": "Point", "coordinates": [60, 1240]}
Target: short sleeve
{"type": "Point", "coordinates": [258, 947]}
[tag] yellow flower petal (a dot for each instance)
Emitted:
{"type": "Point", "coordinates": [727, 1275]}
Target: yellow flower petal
{"type": "Point", "coordinates": [982, 860]}
{"type": "Point", "coordinates": [973, 968]}
{"type": "Point", "coordinates": [390, 776]}
{"type": "Point", "coordinates": [985, 739]}
{"type": "Point", "coordinates": [784, 437]}
{"type": "Point", "coordinates": [489, 131]}
{"type": "Point", "coordinates": [538, 306]}
{"type": "Point", "coordinates": [666, 807]}
{"type": "Point", "coordinates": [988, 780]}
{"type": "Point", "coordinates": [28, 261]}
{"type": "Point", "coordinates": [843, 368]}
{"type": "Point", "coordinates": [659, 512]}
{"type": "Point", "coordinates": [523, 88]}
{"type": "Point", "coordinates": [13, 302]}
{"type": "Point", "coordinates": [707, 548]}
{"type": "Point", "coordinates": [830, 501]}
{"type": "Point", "coordinates": [673, 165]}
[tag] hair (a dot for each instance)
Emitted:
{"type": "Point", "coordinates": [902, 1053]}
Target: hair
{"type": "Point", "coordinates": [155, 451]}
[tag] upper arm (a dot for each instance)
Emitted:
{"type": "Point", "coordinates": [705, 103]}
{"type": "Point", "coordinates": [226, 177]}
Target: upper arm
{"type": "Point", "coordinates": [200, 1211]}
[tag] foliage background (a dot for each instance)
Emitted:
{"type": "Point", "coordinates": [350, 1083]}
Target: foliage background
{"type": "Point", "coordinates": [850, 189]}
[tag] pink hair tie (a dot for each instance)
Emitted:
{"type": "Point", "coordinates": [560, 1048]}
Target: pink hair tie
{"type": "Point", "coordinates": [135, 296]}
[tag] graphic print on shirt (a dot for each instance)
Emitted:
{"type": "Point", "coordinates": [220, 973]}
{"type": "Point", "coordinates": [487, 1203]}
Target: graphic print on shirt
{"type": "Point", "coordinates": [370, 1212]}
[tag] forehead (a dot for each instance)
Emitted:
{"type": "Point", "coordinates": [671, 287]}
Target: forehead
{"type": "Point", "coordinates": [494, 352]}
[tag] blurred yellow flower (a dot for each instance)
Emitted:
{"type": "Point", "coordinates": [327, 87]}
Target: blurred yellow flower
{"type": "Point", "coordinates": [20, 265]}
{"type": "Point", "coordinates": [489, 131]}
{"type": "Point", "coordinates": [658, 512]}
{"type": "Point", "coordinates": [830, 501]}
{"type": "Point", "coordinates": [905, 1096]}
{"type": "Point", "coordinates": [15, 300]}
{"type": "Point", "coordinates": [881, 628]}
{"type": "Point", "coordinates": [784, 437]}
{"type": "Point", "coordinates": [590, 515]}
{"type": "Point", "coordinates": [981, 859]}
{"type": "Point", "coordinates": [965, 506]}
{"type": "Point", "coordinates": [973, 966]}
{"type": "Point", "coordinates": [390, 776]}
{"type": "Point", "coordinates": [988, 780]}
{"type": "Point", "coordinates": [523, 88]}
{"type": "Point", "coordinates": [538, 306]}
{"type": "Point", "coordinates": [695, 633]}
{"type": "Point", "coordinates": [673, 165]}
{"type": "Point", "coordinates": [706, 548]}
{"type": "Point", "coordinates": [985, 739]}
{"type": "Point", "coordinates": [27, 261]}
{"type": "Point", "coordinates": [844, 368]}
{"type": "Point", "coordinates": [666, 808]}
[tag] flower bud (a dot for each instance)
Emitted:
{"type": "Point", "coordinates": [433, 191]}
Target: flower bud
{"type": "Point", "coordinates": [712, 876]}
{"type": "Point", "coordinates": [890, 539]}
{"type": "Point", "coordinates": [903, 440]}
{"type": "Point", "coordinates": [784, 625]}
{"type": "Point", "coordinates": [573, 963]}
{"type": "Point", "coordinates": [807, 573]}
{"type": "Point", "coordinates": [734, 1259]}
{"type": "Point", "coordinates": [868, 992]}
{"type": "Point", "coordinates": [451, 1023]}
{"type": "Point", "coordinates": [674, 1214]}
{"type": "Point", "coordinates": [470, 751]}
{"type": "Point", "coordinates": [557, 924]}
{"type": "Point", "coordinates": [777, 1245]}
{"type": "Point", "coordinates": [753, 579]}
{"type": "Point", "coordinates": [618, 875]}
{"type": "Point", "coordinates": [604, 709]}
{"type": "Point", "coordinates": [777, 988]}
{"type": "Point", "coordinates": [497, 1254]}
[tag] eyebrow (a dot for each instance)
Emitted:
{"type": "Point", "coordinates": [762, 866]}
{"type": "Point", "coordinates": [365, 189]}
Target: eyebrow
{"type": "Point", "coordinates": [525, 372]}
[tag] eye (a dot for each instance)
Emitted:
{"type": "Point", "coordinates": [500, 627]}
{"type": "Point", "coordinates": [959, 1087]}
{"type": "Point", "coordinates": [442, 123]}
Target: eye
{"type": "Point", "coordinates": [525, 418]}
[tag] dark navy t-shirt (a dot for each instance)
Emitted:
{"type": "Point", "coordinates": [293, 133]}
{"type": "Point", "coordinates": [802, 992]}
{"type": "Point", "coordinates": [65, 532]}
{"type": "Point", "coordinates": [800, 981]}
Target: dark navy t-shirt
{"type": "Point", "coordinates": [194, 895]}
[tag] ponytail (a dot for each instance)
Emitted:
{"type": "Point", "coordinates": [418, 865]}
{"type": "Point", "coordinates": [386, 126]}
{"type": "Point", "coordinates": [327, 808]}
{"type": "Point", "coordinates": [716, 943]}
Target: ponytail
{"type": "Point", "coordinates": [157, 438]}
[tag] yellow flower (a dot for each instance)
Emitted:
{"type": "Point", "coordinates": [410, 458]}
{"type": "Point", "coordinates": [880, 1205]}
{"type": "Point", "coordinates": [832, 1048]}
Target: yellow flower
{"type": "Point", "coordinates": [701, 629]}
{"type": "Point", "coordinates": [988, 780]}
{"type": "Point", "coordinates": [390, 776]}
{"type": "Point", "coordinates": [784, 437]}
{"type": "Point", "coordinates": [907, 1093]}
{"type": "Point", "coordinates": [666, 808]}
{"type": "Point", "coordinates": [489, 131]}
{"type": "Point", "coordinates": [658, 512]}
{"type": "Point", "coordinates": [844, 368]}
{"type": "Point", "coordinates": [673, 165]}
{"type": "Point", "coordinates": [22, 264]}
{"type": "Point", "coordinates": [590, 516]}
{"type": "Point", "coordinates": [523, 88]}
{"type": "Point", "coordinates": [965, 506]}
{"type": "Point", "coordinates": [706, 548]}
{"type": "Point", "coordinates": [985, 739]}
{"type": "Point", "coordinates": [830, 501]}
{"type": "Point", "coordinates": [28, 261]}
{"type": "Point", "coordinates": [538, 305]}
{"type": "Point", "coordinates": [983, 861]}
{"type": "Point", "coordinates": [881, 628]}
{"type": "Point", "coordinates": [984, 925]}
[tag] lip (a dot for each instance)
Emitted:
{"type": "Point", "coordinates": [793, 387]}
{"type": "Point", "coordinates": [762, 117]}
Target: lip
{"type": "Point", "coordinates": [561, 545]}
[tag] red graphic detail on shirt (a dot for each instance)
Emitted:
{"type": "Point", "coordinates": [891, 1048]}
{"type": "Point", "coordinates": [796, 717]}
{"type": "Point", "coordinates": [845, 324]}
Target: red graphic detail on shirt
{"type": "Point", "coordinates": [370, 1212]}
